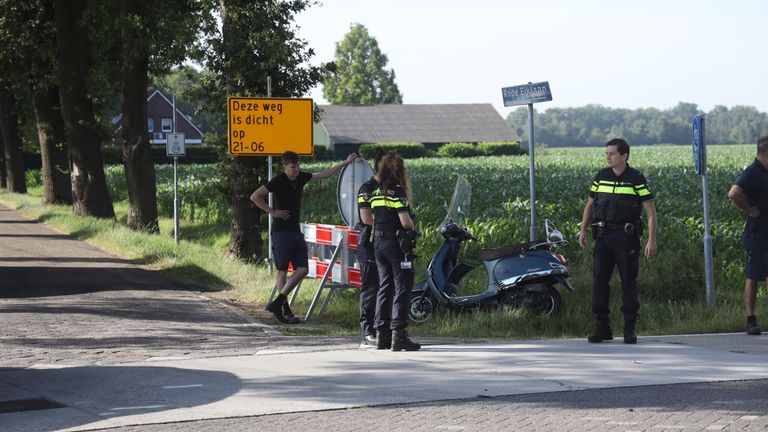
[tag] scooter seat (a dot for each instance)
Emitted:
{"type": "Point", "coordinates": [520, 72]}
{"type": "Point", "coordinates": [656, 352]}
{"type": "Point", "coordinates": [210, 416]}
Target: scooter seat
{"type": "Point", "coordinates": [516, 249]}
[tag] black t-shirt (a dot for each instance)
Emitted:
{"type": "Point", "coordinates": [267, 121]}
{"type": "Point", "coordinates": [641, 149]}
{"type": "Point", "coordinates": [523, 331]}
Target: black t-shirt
{"type": "Point", "coordinates": [287, 196]}
{"type": "Point", "coordinates": [387, 207]}
{"type": "Point", "coordinates": [619, 199]}
{"type": "Point", "coordinates": [754, 183]}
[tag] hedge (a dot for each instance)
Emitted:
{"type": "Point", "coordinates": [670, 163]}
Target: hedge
{"type": "Point", "coordinates": [406, 150]}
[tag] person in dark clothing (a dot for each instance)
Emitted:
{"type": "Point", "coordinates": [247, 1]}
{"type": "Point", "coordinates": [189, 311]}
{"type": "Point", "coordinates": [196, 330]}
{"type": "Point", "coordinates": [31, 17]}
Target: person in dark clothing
{"type": "Point", "coordinates": [366, 258]}
{"type": "Point", "coordinates": [617, 198]}
{"type": "Point", "coordinates": [394, 240]}
{"type": "Point", "coordinates": [288, 243]}
{"type": "Point", "coordinates": [750, 193]}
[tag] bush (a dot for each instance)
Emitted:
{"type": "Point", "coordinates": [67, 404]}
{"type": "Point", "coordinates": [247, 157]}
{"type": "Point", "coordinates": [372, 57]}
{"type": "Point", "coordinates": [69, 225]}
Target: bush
{"type": "Point", "coordinates": [458, 150]}
{"type": "Point", "coordinates": [321, 153]}
{"type": "Point", "coordinates": [406, 150]}
{"type": "Point", "coordinates": [195, 154]}
{"type": "Point", "coordinates": [501, 149]}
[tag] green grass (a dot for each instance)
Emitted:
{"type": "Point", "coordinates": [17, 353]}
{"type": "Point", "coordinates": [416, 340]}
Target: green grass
{"type": "Point", "coordinates": [672, 291]}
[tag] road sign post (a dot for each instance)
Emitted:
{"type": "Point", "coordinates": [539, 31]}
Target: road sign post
{"type": "Point", "coordinates": [528, 94]}
{"type": "Point", "coordinates": [175, 146]}
{"type": "Point", "coordinates": [700, 166]}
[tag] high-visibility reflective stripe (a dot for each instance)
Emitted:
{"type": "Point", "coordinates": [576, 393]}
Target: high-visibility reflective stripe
{"type": "Point", "coordinates": [643, 192]}
{"type": "Point", "coordinates": [361, 199]}
{"type": "Point", "coordinates": [616, 190]}
{"type": "Point", "coordinates": [386, 202]}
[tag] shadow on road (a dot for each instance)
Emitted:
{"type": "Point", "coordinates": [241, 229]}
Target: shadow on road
{"type": "Point", "coordinates": [95, 393]}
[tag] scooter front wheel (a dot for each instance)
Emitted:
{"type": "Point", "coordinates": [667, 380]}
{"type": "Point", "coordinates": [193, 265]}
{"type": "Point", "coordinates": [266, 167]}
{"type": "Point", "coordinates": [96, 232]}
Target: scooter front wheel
{"type": "Point", "coordinates": [422, 307]}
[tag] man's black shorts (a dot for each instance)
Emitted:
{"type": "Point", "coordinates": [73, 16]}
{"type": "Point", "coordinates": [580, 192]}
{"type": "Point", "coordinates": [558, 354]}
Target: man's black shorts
{"type": "Point", "coordinates": [289, 246]}
{"type": "Point", "coordinates": [757, 256]}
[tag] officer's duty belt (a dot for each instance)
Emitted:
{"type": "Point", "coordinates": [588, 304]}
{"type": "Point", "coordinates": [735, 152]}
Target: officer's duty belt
{"type": "Point", "coordinates": [627, 227]}
{"type": "Point", "coordinates": [384, 234]}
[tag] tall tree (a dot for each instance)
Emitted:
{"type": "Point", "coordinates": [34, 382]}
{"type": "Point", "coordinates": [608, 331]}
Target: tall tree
{"type": "Point", "coordinates": [9, 126]}
{"type": "Point", "coordinates": [139, 168]}
{"type": "Point", "coordinates": [360, 76]}
{"type": "Point", "coordinates": [155, 34]}
{"type": "Point", "coordinates": [89, 187]}
{"type": "Point", "coordinates": [28, 37]}
{"type": "Point", "coordinates": [257, 40]}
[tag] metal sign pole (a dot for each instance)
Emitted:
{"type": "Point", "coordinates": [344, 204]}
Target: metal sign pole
{"type": "Point", "coordinates": [175, 181]}
{"type": "Point", "coordinates": [270, 258]}
{"type": "Point", "coordinates": [700, 166]}
{"type": "Point", "coordinates": [176, 199]}
{"type": "Point", "coordinates": [708, 266]}
{"type": "Point", "coordinates": [532, 172]}
{"type": "Point", "coordinates": [528, 94]}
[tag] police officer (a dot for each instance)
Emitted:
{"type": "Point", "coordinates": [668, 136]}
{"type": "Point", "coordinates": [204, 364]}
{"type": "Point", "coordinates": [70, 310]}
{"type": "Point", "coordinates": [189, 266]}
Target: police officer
{"type": "Point", "coordinates": [366, 258]}
{"type": "Point", "coordinates": [394, 240]}
{"type": "Point", "coordinates": [618, 195]}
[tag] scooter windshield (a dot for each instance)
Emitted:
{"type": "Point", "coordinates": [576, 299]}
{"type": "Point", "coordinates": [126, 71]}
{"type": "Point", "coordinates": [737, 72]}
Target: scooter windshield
{"type": "Point", "coordinates": [458, 210]}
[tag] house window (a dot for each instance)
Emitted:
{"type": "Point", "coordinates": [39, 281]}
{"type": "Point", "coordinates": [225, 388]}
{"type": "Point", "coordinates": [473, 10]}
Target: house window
{"type": "Point", "coordinates": [150, 124]}
{"type": "Point", "coordinates": [167, 125]}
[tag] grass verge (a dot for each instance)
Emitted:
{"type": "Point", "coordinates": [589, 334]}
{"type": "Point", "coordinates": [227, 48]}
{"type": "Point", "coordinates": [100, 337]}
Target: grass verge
{"type": "Point", "coordinates": [199, 261]}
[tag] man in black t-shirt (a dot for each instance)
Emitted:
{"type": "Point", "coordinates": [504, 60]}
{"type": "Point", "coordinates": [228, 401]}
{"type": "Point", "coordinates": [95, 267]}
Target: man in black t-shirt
{"type": "Point", "coordinates": [750, 193]}
{"type": "Point", "coordinates": [617, 198]}
{"type": "Point", "coordinates": [288, 243]}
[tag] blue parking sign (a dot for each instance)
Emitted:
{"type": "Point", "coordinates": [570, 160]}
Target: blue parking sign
{"type": "Point", "coordinates": [699, 148]}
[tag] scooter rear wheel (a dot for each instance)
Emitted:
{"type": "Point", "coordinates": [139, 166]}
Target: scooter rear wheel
{"type": "Point", "coordinates": [544, 301]}
{"type": "Point", "coordinates": [422, 307]}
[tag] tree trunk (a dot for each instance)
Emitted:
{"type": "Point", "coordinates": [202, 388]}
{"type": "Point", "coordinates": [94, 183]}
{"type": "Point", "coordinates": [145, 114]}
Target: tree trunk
{"type": "Point", "coordinates": [139, 167]}
{"type": "Point", "coordinates": [14, 156]}
{"type": "Point", "coordinates": [245, 229]}
{"type": "Point", "coordinates": [89, 187]}
{"type": "Point", "coordinates": [54, 152]}
{"type": "Point", "coordinates": [3, 182]}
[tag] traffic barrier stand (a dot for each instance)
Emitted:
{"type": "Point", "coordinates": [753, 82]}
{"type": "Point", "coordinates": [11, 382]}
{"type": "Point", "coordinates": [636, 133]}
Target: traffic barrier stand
{"type": "Point", "coordinates": [331, 259]}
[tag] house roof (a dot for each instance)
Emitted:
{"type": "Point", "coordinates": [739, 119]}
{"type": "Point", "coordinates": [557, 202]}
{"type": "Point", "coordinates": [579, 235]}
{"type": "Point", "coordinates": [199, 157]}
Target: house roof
{"type": "Point", "coordinates": [442, 123]}
{"type": "Point", "coordinates": [187, 118]}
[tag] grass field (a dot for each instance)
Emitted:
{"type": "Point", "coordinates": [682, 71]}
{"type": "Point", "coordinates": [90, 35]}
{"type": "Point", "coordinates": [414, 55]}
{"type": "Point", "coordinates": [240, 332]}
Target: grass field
{"type": "Point", "coordinates": [672, 285]}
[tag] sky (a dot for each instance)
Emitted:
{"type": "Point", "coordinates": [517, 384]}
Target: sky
{"type": "Point", "coordinates": [619, 54]}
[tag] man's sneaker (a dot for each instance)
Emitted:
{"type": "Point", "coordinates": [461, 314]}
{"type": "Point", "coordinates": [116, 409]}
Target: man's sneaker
{"type": "Point", "coordinates": [277, 310]}
{"type": "Point", "coordinates": [288, 314]}
{"type": "Point", "coordinates": [369, 341]}
{"type": "Point", "coordinates": [753, 329]}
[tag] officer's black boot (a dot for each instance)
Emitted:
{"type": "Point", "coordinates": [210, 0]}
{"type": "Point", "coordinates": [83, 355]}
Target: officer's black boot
{"type": "Point", "coordinates": [602, 331]}
{"type": "Point", "coordinates": [401, 341]}
{"type": "Point", "coordinates": [383, 338]}
{"type": "Point", "coordinates": [629, 332]}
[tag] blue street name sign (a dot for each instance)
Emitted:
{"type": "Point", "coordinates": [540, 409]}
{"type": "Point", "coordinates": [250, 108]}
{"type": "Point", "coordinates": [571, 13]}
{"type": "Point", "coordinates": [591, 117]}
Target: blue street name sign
{"type": "Point", "coordinates": [526, 94]}
{"type": "Point", "coordinates": [699, 151]}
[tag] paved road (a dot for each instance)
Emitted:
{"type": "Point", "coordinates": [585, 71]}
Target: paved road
{"type": "Point", "coordinates": [93, 342]}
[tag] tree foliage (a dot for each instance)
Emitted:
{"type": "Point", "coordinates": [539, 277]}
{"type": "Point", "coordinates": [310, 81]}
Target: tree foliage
{"type": "Point", "coordinates": [256, 41]}
{"type": "Point", "coordinates": [360, 76]}
{"type": "Point", "coordinates": [593, 125]}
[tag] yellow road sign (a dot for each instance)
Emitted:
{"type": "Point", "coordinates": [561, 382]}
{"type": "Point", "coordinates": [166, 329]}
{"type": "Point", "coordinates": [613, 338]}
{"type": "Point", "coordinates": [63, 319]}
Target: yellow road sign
{"type": "Point", "coordinates": [269, 126]}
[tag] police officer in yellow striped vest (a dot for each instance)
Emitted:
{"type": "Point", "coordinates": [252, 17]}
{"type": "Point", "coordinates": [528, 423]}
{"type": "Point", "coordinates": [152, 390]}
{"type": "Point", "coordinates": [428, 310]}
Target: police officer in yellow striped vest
{"type": "Point", "coordinates": [394, 240]}
{"type": "Point", "coordinates": [617, 198]}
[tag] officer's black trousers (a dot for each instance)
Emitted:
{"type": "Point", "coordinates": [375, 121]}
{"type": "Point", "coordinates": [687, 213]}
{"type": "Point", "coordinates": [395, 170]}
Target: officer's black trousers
{"type": "Point", "coordinates": [395, 285]}
{"type": "Point", "coordinates": [615, 248]}
{"type": "Point", "coordinates": [369, 275]}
